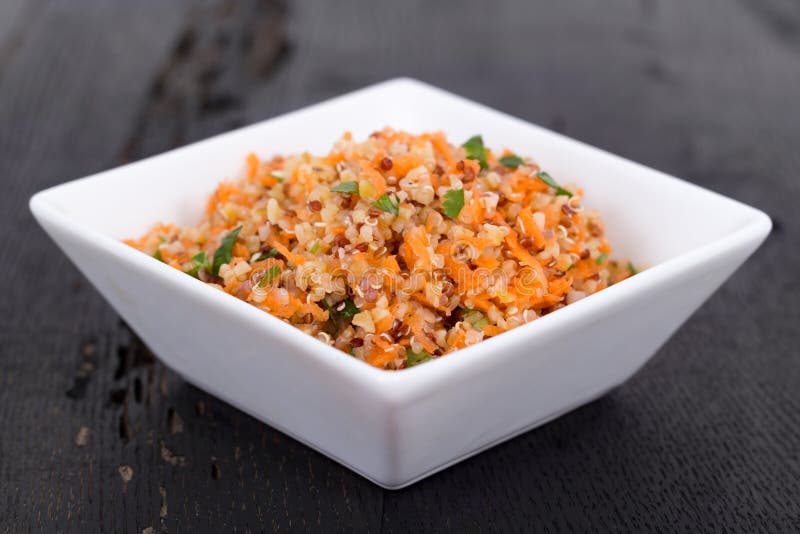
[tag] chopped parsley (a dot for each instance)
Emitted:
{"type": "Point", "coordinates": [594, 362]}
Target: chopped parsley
{"type": "Point", "coordinates": [223, 253]}
{"type": "Point", "coordinates": [416, 358]}
{"type": "Point", "coordinates": [276, 176]}
{"type": "Point", "coordinates": [386, 204]}
{"type": "Point", "coordinates": [601, 259]}
{"type": "Point", "coordinates": [474, 317]}
{"type": "Point", "coordinates": [269, 276]}
{"type": "Point", "coordinates": [512, 161]}
{"type": "Point", "coordinates": [546, 178]}
{"type": "Point", "coordinates": [349, 310]}
{"type": "Point", "coordinates": [157, 254]}
{"type": "Point", "coordinates": [200, 261]}
{"type": "Point", "coordinates": [315, 248]}
{"type": "Point", "coordinates": [476, 150]}
{"type": "Point", "coordinates": [453, 202]}
{"type": "Point", "coordinates": [346, 187]}
{"type": "Point", "coordinates": [273, 253]}
{"type": "Point", "coordinates": [342, 311]}
{"type": "Point", "coordinates": [632, 269]}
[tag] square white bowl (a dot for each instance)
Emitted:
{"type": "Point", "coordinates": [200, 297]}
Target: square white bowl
{"type": "Point", "coordinates": [395, 428]}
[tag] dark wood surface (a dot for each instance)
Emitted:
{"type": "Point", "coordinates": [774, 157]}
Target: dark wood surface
{"type": "Point", "coordinates": [705, 438]}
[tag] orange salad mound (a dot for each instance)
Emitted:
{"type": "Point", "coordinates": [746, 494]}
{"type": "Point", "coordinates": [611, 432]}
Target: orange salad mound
{"type": "Point", "coordinates": [397, 249]}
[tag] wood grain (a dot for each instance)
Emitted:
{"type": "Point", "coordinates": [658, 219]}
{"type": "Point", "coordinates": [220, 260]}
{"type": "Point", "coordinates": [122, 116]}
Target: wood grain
{"type": "Point", "coordinates": [96, 435]}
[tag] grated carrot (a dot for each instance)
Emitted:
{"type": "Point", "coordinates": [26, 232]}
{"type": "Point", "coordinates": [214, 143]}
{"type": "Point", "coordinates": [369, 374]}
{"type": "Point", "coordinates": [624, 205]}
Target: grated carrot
{"type": "Point", "coordinates": [358, 272]}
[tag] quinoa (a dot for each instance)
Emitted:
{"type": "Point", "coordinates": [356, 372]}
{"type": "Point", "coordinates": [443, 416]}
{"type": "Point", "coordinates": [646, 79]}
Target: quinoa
{"type": "Point", "coordinates": [398, 249]}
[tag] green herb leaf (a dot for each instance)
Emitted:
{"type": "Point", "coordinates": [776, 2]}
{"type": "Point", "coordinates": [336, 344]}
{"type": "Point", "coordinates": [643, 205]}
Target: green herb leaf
{"type": "Point", "coordinates": [386, 204]}
{"type": "Point", "coordinates": [512, 161]}
{"type": "Point", "coordinates": [200, 260]}
{"type": "Point", "coordinates": [272, 253]}
{"type": "Point", "coordinates": [349, 310]}
{"type": "Point", "coordinates": [276, 176]}
{"type": "Point", "coordinates": [340, 312]}
{"type": "Point", "coordinates": [315, 248]}
{"type": "Point", "coordinates": [416, 358]}
{"type": "Point", "coordinates": [157, 255]}
{"type": "Point", "coordinates": [223, 253]}
{"type": "Point", "coordinates": [269, 276]}
{"type": "Point", "coordinates": [475, 317]}
{"type": "Point", "coordinates": [476, 150]}
{"type": "Point", "coordinates": [346, 187]}
{"type": "Point", "coordinates": [601, 259]}
{"type": "Point", "coordinates": [453, 202]}
{"type": "Point", "coordinates": [546, 178]}
{"type": "Point", "coordinates": [632, 269]}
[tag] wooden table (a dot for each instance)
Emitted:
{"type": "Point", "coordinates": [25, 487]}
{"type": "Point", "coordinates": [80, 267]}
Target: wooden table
{"type": "Point", "coordinates": [96, 435]}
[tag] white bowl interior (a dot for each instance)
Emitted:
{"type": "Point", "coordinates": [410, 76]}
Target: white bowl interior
{"type": "Point", "coordinates": [650, 217]}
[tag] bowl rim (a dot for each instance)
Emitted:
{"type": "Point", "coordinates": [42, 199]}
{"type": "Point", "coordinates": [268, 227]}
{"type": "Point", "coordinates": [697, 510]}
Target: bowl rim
{"type": "Point", "coordinates": [419, 379]}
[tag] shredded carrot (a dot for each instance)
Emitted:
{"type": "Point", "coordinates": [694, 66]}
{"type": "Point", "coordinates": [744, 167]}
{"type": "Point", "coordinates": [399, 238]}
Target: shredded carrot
{"type": "Point", "coordinates": [297, 259]}
{"type": "Point", "coordinates": [525, 257]}
{"type": "Point", "coordinates": [487, 261]}
{"type": "Point", "coordinates": [381, 354]}
{"type": "Point", "coordinates": [530, 227]}
{"type": "Point", "coordinates": [374, 176]}
{"type": "Point", "coordinates": [416, 248]}
{"type": "Point", "coordinates": [252, 165]}
{"type": "Point", "coordinates": [402, 164]}
{"type": "Point", "coordinates": [492, 330]}
{"type": "Point", "coordinates": [309, 240]}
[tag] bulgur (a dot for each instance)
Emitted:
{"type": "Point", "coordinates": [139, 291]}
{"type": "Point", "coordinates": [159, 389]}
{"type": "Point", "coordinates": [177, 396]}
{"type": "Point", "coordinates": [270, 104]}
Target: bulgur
{"type": "Point", "coordinates": [398, 249]}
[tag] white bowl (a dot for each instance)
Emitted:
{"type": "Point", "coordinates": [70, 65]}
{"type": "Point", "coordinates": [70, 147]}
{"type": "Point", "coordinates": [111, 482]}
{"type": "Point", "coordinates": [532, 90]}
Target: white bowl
{"type": "Point", "coordinates": [397, 427]}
